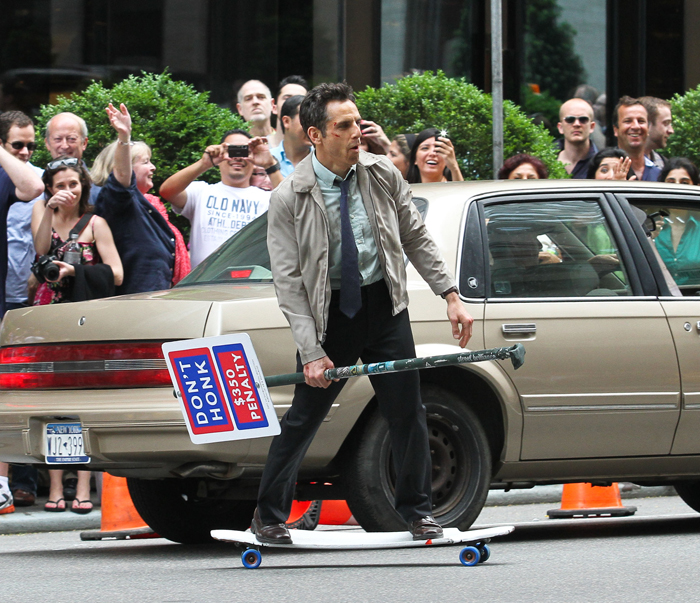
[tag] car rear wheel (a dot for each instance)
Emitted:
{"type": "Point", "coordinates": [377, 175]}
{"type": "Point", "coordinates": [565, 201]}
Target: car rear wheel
{"type": "Point", "coordinates": [173, 509]}
{"type": "Point", "coordinates": [690, 493]}
{"type": "Point", "coordinates": [461, 466]}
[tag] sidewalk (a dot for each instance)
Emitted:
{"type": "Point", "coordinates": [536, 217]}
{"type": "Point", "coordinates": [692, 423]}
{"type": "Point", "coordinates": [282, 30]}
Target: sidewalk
{"type": "Point", "coordinates": [35, 519]}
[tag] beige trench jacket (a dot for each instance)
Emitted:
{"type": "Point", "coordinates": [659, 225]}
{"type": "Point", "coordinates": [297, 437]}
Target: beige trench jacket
{"type": "Point", "coordinates": [297, 239]}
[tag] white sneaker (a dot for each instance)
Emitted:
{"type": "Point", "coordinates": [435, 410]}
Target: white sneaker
{"type": "Point", "coordinates": [6, 501]}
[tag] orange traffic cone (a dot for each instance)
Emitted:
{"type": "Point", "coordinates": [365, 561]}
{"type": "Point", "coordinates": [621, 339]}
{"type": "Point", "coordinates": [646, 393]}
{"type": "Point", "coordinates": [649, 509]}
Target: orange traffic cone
{"type": "Point", "coordinates": [587, 500]}
{"type": "Point", "coordinates": [336, 513]}
{"type": "Point", "coordinates": [120, 519]}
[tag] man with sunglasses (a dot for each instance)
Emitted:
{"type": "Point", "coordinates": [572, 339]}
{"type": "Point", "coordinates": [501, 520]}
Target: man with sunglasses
{"type": "Point", "coordinates": [576, 124]}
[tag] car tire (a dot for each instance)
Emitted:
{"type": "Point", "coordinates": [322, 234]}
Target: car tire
{"type": "Point", "coordinates": [172, 509]}
{"type": "Point", "coordinates": [461, 466]}
{"type": "Point", "coordinates": [689, 491]}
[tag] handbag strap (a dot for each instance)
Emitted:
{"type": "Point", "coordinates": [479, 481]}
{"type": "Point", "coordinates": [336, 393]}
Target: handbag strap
{"type": "Point", "coordinates": [81, 225]}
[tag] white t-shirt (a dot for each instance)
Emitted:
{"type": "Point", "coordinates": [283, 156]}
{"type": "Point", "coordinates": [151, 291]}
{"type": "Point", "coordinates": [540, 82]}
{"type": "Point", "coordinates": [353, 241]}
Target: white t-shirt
{"type": "Point", "coordinates": [217, 211]}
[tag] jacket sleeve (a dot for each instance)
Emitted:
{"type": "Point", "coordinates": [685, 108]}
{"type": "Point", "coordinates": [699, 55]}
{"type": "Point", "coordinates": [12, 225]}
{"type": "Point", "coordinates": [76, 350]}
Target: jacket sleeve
{"type": "Point", "coordinates": [291, 293]}
{"type": "Point", "coordinates": [418, 244]}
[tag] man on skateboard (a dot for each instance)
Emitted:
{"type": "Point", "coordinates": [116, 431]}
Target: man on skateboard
{"type": "Point", "coordinates": [337, 228]}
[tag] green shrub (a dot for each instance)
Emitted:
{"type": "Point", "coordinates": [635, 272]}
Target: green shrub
{"type": "Point", "coordinates": [175, 120]}
{"type": "Point", "coordinates": [686, 125]}
{"type": "Point", "coordinates": [544, 104]}
{"type": "Point", "coordinates": [429, 100]}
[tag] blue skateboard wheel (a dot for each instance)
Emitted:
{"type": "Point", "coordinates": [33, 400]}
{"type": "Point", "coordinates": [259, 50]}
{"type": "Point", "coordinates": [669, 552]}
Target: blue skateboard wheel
{"type": "Point", "coordinates": [485, 552]}
{"type": "Point", "coordinates": [251, 558]}
{"type": "Point", "coordinates": [469, 556]}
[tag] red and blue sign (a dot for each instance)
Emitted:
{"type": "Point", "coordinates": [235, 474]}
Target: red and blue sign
{"type": "Point", "coordinates": [221, 387]}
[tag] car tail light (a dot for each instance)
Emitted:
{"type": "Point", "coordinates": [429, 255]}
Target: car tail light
{"type": "Point", "coordinates": [83, 366]}
{"type": "Point", "coordinates": [240, 273]}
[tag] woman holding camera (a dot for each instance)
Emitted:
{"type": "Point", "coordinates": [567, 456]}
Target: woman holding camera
{"type": "Point", "coordinates": [65, 211]}
{"type": "Point", "coordinates": [93, 270]}
{"type": "Point", "coordinates": [433, 159]}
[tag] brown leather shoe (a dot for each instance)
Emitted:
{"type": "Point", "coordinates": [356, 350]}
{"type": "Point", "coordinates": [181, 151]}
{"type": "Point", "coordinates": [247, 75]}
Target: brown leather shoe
{"type": "Point", "coordinates": [425, 528]}
{"type": "Point", "coordinates": [276, 533]}
{"type": "Point", "coordinates": [23, 498]}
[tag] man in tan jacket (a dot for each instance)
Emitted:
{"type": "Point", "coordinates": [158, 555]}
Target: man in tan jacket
{"type": "Point", "coordinates": [337, 230]}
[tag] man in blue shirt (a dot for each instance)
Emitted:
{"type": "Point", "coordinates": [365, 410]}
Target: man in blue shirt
{"type": "Point", "coordinates": [631, 126]}
{"type": "Point", "coordinates": [295, 145]}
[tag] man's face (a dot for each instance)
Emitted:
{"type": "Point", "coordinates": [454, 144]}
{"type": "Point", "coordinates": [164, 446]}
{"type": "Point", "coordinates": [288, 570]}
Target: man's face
{"type": "Point", "coordinates": [236, 171]}
{"type": "Point", "coordinates": [286, 92]}
{"type": "Point", "coordinates": [632, 129]}
{"type": "Point", "coordinates": [256, 105]}
{"type": "Point", "coordinates": [20, 136]}
{"type": "Point", "coordinates": [572, 116]}
{"type": "Point", "coordinates": [339, 149]}
{"type": "Point", "coordinates": [65, 138]}
{"type": "Point", "coordinates": [293, 130]}
{"type": "Point", "coordinates": [661, 129]}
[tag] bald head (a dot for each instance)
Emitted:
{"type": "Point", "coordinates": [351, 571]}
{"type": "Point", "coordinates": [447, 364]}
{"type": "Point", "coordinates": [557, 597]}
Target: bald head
{"type": "Point", "coordinates": [66, 134]}
{"type": "Point", "coordinates": [572, 115]}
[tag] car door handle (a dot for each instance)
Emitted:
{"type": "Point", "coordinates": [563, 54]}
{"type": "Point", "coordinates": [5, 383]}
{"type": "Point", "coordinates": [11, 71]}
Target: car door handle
{"type": "Point", "coordinates": [519, 328]}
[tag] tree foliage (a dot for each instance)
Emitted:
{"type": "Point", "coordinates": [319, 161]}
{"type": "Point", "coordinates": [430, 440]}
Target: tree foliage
{"type": "Point", "coordinates": [686, 125]}
{"type": "Point", "coordinates": [429, 100]}
{"type": "Point", "coordinates": [175, 120]}
{"type": "Point", "coordinates": [550, 58]}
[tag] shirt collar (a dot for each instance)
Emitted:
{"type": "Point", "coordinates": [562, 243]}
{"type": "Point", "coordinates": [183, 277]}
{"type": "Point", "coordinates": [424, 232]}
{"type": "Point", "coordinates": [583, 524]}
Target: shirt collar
{"type": "Point", "coordinates": [324, 175]}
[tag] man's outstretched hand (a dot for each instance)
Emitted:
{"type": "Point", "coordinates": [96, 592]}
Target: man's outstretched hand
{"type": "Point", "coordinates": [460, 319]}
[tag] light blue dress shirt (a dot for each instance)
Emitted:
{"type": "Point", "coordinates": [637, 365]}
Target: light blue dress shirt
{"type": "Point", "coordinates": [286, 166]}
{"type": "Point", "coordinates": [367, 258]}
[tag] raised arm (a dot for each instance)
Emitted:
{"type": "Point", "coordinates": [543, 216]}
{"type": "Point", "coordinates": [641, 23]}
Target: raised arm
{"type": "Point", "coordinates": [28, 184]}
{"type": "Point", "coordinates": [260, 155]}
{"type": "Point", "coordinates": [174, 188]}
{"type": "Point", "coordinates": [121, 122]}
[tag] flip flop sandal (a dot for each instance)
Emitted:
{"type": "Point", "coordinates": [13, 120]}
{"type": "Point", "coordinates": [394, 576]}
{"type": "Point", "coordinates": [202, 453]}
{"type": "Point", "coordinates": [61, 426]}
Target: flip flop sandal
{"type": "Point", "coordinates": [80, 509]}
{"type": "Point", "coordinates": [52, 506]}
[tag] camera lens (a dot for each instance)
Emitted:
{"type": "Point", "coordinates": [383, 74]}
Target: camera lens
{"type": "Point", "coordinates": [51, 271]}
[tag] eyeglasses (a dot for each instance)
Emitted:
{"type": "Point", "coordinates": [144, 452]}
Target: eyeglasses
{"type": "Point", "coordinates": [582, 119]}
{"type": "Point", "coordinates": [70, 162]}
{"type": "Point", "coordinates": [18, 145]}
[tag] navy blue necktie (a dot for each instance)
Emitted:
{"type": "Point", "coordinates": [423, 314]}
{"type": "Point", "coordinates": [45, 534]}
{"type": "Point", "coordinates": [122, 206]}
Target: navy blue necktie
{"type": "Point", "coordinates": [350, 296]}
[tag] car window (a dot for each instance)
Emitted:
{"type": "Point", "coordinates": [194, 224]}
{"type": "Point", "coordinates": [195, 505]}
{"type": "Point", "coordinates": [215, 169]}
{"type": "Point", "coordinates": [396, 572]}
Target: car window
{"type": "Point", "coordinates": [675, 230]}
{"type": "Point", "coordinates": [243, 258]}
{"type": "Point", "coordinates": [552, 249]}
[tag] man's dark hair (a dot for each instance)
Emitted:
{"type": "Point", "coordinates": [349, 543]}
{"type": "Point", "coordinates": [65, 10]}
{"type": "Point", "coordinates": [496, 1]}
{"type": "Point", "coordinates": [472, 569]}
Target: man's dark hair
{"type": "Point", "coordinates": [598, 159]}
{"type": "Point", "coordinates": [652, 105]}
{"type": "Point", "coordinates": [12, 118]}
{"type": "Point", "coordinates": [235, 131]}
{"type": "Point", "coordinates": [312, 111]}
{"type": "Point", "coordinates": [293, 79]}
{"type": "Point", "coordinates": [290, 108]}
{"type": "Point", "coordinates": [625, 101]}
{"type": "Point", "coordinates": [680, 163]}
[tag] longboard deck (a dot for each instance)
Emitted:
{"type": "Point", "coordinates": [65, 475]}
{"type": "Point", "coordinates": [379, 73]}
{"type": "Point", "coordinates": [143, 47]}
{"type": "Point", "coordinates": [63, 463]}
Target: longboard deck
{"type": "Point", "coordinates": [346, 539]}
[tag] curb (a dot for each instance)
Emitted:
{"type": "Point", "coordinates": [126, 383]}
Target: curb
{"type": "Point", "coordinates": [27, 520]}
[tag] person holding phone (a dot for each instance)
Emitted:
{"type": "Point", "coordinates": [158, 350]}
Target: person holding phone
{"type": "Point", "coordinates": [218, 211]}
{"type": "Point", "coordinates": [433, 158]}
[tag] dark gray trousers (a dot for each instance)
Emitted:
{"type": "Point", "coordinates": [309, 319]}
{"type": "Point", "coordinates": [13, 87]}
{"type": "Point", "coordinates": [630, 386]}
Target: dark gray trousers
{"type": "Point", "coordinates": [373, 335]}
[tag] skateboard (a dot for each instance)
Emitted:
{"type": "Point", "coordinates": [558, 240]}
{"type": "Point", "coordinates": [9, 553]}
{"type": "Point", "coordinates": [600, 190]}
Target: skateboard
{"type": "Point", "coordinates": [477, 551]}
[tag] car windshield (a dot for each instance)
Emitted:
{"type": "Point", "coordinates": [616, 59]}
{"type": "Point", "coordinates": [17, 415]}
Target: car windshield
{"type": "Point", "coordinates": [243, 258]}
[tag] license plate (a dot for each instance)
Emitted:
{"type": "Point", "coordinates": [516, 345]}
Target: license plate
{"type": "Point", "coordinates": [64, 444]}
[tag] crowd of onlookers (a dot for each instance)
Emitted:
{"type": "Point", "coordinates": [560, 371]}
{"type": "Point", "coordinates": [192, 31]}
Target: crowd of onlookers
{"type": "Point", "coordinates": [75, 233]}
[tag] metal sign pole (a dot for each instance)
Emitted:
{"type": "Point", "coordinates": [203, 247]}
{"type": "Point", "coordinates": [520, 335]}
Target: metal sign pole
{"type": "Point", "coordinates": [497, 83]}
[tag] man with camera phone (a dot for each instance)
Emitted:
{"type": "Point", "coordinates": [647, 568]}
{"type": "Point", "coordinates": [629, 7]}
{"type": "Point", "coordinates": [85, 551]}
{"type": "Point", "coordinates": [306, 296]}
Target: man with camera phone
{"type": "Point", "coordinates": [218, 211]}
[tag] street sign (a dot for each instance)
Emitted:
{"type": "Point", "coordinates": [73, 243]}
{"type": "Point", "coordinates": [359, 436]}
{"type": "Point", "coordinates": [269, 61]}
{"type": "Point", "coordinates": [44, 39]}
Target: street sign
{"type": "Point", "coordinates": [221, 388]}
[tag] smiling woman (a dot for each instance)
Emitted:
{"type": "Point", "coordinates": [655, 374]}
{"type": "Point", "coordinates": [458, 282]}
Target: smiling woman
{"type": "Point", "coordinates": [433, 158]}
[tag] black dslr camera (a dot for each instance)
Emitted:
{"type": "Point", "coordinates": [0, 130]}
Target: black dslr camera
{"type": "Point", "coordinates": [44, 269]}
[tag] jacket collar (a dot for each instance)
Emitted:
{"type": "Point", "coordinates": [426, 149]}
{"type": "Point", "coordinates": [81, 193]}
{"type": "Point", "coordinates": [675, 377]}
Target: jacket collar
{"type": "Point", "coordinates": [304, 178]}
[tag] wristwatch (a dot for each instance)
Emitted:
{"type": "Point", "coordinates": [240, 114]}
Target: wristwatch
{"type": "Point", "coordinates": [273, 168]}
{"type": "Point", "coordinates": [444, 294]}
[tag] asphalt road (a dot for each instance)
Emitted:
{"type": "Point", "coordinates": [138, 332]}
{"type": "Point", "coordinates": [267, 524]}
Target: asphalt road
{"type": "Point", "coordinates": [650, 556]}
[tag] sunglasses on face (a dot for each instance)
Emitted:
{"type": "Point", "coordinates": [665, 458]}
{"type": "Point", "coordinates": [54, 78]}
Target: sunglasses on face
{"type": "Point", "coordinates": [18, 145]}
{"type": "Point", "coordinates": [70, 162]}
{"type": "Point", "coordinates": [583, 119]}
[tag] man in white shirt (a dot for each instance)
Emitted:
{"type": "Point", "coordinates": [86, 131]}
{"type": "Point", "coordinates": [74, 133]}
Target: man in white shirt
{"type": "Point", "coordinates": [218, 211]}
